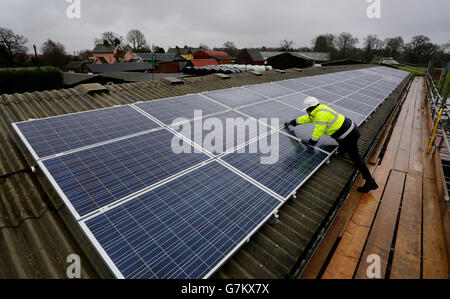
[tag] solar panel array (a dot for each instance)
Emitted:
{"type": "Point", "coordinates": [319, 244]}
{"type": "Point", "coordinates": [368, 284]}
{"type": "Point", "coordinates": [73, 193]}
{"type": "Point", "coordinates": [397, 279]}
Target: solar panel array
{"type": "Point", "coordinates": [155, 213]}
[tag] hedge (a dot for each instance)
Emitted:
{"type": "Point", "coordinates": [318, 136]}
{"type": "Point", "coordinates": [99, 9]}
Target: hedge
{"type": "Point", "coordinates": [34, 79]}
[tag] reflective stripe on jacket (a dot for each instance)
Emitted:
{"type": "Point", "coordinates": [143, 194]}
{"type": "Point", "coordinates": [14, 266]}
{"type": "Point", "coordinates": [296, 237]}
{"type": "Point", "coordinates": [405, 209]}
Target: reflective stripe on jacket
{"type": "Point", "coordinates": [327, 121]}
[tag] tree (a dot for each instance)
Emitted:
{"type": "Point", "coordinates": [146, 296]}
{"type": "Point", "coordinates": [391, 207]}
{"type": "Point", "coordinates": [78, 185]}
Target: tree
{"type": "Point", "coordinates": [109, 36]}
{"type": "Point", "coordinates": [54, 53]}
{"type": "Point", "coordinates": [393, 47]}
{"type": "Point", "coordinates": [324, 43]}
{"type": "Point", "coordinates": [372, 45]}
{"type": "Point", "coordinates": [287, 45]}
{"type": "Point", "coordinates": [230, 48]}
{"type": "Point", "coordinates": [420, 50]}
{"type": "Point", "coordinates": [345, 43]}
{"type": "Point", "coordinates": [157, 49]}
{"type": "Point", "coordinates": [137, 40]}
{"type": "Point", "coordinates": [204, 47]}
{"type": "Point", "coordinates": [13, 43]}
{"type": "Point", "coordinates": [84, 54]}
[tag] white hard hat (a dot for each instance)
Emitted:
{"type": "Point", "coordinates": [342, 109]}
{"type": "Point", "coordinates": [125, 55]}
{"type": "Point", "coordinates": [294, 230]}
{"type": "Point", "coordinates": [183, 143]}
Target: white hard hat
{"type": "Point", "coordinates": [310, 102]}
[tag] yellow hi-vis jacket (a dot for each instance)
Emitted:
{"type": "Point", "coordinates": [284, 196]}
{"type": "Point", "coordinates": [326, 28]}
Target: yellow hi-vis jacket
{"type": "Point", "coordinates": [326, 119]}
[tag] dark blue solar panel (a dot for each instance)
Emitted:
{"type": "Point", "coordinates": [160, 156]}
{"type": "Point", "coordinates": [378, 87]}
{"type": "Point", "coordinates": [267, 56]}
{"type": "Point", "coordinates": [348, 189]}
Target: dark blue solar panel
{"type": "Point", "coordinates": [294, 85]}
{"type": "Point", "coordinates": [361, 98]}
{"type": "Point", "coordinates": [313, 81]}
{"type": "Point", "coordinates": [68, 132]}
{"type": "Point", "coordinates": [270, 90]}
{"type": "Point", "coordinates": [293, 165]}
{"type": "Point", "coordinates": [168, 110]}
{"type": "Point", "coordinates": [228, 123]}
{"type": "Point", "coordinates": [185, 228]}
{"type": "Point", "coordinates": [355, 117]}
{"type": "Point", "coordinates": [323, 95]}
{"type": "Point", "coordinates": [96, 177]}
{"type": "Point", "coordinates": [337, 90]}
{"type": "Point", "coordinates": [296, 100]}
{"type": "Point", "coordinates": [235, 97]}
{"type": "Point", "coordinates": [372, 94]}
{"type": "Point", "coordinates": [355, 106]}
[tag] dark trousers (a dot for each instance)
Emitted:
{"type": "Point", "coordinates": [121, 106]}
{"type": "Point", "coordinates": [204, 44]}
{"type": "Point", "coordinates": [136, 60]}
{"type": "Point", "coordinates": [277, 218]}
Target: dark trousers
{"type": "Point", "coordinates": [350, 145]}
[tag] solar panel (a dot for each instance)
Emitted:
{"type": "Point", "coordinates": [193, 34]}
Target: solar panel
{"type": "Point", "coordinates": [295, 100]}
{"type": "Point", "coordinates": [184, 229]}
{"type": "Point", "coordinates": [355, 117]}
{"type": "Point", "coordinates": [269, 90]}
{"type": "Point", "coordinates": [228, 124]}
{"type": "Point", "coordinates": [355, 106]}
{"type": "Point", "coordinates": [168, 110]}
{"type": "Point", "coordinates": [93, 178]}
{"type": "Point", "coordinates": [323, 95]}
{"type": "Point", "coordinates": [235, 97]}
{"type": "Point", "coordinates": [54, 135]}
{"type": "Point", "coordinates": [337, 90]}
{"type": "Point", "coordinates": [361, 98]}
{"type": "Point", "coordinates": [372, 94]}
{"type": "Point", "coordinates": [294, 85]}
{"type": "Point", "coordinates": [291, 167]}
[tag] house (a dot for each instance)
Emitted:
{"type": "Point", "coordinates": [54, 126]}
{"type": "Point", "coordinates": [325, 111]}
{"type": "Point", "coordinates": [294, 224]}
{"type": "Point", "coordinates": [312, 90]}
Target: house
{"type": "Point", "coordinates": [186, 52]}
{"type": "Point", "coordinates": [316, 57]}
{"type": "Point", "coordinates": [288, 60]}
{"type": "Point", "coordinates": [152, 58]}
{"type": "Point", "coordinates": [120, 67]}
{"type": "Point", "coordinates": [76, 67]}
{"type": "Point", "coordinates": [250, 56]}
{"type": "Point", "coordinates": [108, 53]}
{"type": "Point", "coordinates": [220, 56]}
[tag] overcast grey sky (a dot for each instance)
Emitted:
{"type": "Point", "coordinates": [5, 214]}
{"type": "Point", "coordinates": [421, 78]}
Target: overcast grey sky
{"type": "Point", "coordinates": [249, 23]}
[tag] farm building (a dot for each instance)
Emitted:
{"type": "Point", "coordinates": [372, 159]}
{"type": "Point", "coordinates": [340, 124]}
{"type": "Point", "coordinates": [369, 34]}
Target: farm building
{"type": "Point", "coordinates": [250, 56]}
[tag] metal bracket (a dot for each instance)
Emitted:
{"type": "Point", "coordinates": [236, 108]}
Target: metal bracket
{"type": "Point", "coordinates": [275, 219]}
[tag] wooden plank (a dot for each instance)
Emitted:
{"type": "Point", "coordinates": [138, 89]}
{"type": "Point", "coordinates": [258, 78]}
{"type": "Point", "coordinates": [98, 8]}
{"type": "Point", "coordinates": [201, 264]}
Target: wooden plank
{"type": "Point", "coordinates": [336, 230]}
{"type": "Point", "coordinates": [416, 154]}
{"type": "Point", "coordinates": [380, 238]}
{"type": "Point", "coordinates": [406, 262]}
{"type": "Point", "coordinates": [345, 259]}
{"type": "Point", "coordinates": [435, 260]}
{"type": "Point", "coordinates": [377, 150]}
{"type": "Point", "coordinates": [402, 160]}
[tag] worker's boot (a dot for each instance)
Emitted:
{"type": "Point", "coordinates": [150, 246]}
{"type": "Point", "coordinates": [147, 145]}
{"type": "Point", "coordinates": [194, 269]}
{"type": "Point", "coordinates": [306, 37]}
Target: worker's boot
{"type": "Point", "coordinates": [368, 186]}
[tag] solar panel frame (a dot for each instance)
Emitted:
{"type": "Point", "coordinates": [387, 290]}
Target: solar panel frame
{"type": "Point", "coordinates": [80, 212]}
{"type": "Point", "coordinates": [175, 104]}
{"type": "Point", "coordinates": [285, 194]}
{"type": "Point", "coordinates": [275, 204]}
{"type": "Point", "coordinates": [265, 91]}
{"type": "Point", "coordinates": [51, 151]}
{"type": "Point", "coordinates": [239, 92]}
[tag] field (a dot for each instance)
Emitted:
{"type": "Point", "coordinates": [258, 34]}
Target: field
{"type": "Point", "coordinates": [421, 71]}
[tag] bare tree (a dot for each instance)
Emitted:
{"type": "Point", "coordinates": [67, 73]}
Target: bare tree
{"type": "Point", "coordinates": [287, 45]}
{"type": "Point", "coordinates": [137, 40]}
{"type": "Point", "coordinates": [345, 42]}
{"type": "Point", "coordinates": [110, 37]}
{"type": "Point", "coordinates": [204, 47]}
{"type": "Point", "coordinates": [13, 43]}
{"type": "Point", "coordinates": [420, 49]}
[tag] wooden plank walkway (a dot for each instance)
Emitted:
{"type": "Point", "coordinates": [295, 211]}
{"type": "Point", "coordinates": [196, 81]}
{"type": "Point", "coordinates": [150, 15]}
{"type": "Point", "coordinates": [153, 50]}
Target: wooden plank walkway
{"type": "Point", "coordinates": [398, 227]}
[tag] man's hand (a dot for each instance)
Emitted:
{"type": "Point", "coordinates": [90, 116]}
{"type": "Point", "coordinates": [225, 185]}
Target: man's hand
{"type": "Point", "coordinates": [292, 123]}
{"type": "Point", "coordinates": [309, 142]}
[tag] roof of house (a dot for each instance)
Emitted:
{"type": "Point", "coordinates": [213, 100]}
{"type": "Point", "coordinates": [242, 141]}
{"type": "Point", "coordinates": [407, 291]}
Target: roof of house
{"type": "Point", "coordinates": [203, 62]}
{"type": "Point", "coordinates": [35, 241]}
{"type": "Point", "coordinates": [71, 79]}
{"type": "Point", "coordinates": [255, 55]}
{"type": "Point", "coordinates": [316, 56]}
{"type": "Point", "coordinates": [101, 48]}
{"type": "Point", "coordinates": [119, 67]}
{"type": "Point", "coordinates": [163, 57]}
{"type": "Point", "coordinates": [183, 51]}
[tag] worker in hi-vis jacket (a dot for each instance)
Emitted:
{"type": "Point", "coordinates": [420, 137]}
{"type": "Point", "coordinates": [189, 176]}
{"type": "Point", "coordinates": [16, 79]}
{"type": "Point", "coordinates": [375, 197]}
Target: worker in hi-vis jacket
{"type": "Point", "coordinates": [342, 129]}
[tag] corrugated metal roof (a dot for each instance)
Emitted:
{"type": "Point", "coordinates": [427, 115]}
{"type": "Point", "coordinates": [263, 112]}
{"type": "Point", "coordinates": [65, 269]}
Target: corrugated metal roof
{"type": "Point", "coordinates": [34, 240]}
{"type": "Point", "coordinates": [203, 62]}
